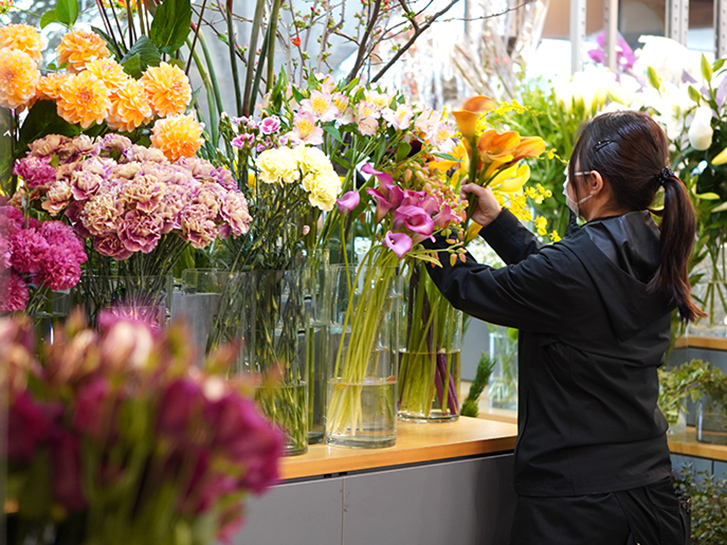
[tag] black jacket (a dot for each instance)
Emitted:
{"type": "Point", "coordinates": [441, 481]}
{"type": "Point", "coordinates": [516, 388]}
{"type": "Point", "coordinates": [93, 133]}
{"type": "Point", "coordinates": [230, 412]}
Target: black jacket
{"type": "Point", "coordinates": [591, 339]}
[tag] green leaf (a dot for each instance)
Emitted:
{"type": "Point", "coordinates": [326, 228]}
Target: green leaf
{"type": "Point", "coordinates": [654, 78]}
{"type": "Point", "coordinates": [694, 94]}
{"type": "Point", "coordinates": [67, 11]}
{"type": "Point", "coordinates": [720, 208]}
{"type": "Point", "coordinates": [43, 119]}
{"type": "Point", "coordinates": [48, 17]}
{"type": "Point", "coordinates": [706, 69]}
{"type": "Point", "coordinates": [146, 54]}
{"type": "Point", "coordinates": [402, 150]}
{"type": "Point", "coordinates": [179, 63]}
{"type": "Point", "coordinates": [113, 46]}
{"type": "Point", "coordinates": [132, 66]}
{"type": "Point", "coordinates": [171, 25]}
{"type": "Point", "coordinates": [718, 64]}
{"type": "Point", "coordinates": [334, 132]}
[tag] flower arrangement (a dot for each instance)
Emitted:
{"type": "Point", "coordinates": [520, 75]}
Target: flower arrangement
{"type": "Point", "coordinates": [116, 437]}
{"type": "Point", "coordinates": [36, 257]}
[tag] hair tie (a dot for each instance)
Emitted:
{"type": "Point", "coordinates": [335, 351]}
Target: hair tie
{"type": "Point", "coordinates": [665, 174]}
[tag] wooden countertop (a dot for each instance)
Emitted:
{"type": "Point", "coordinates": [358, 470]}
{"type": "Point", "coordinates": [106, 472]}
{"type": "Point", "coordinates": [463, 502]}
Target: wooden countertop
{"type": "Point", "coordinates": [415, 443]}
{"type": "Point", "coordinates": [686, 443]}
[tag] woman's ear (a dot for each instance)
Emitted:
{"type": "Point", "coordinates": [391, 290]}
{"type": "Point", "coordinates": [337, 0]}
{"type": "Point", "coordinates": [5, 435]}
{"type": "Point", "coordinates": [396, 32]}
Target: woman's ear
{"type": "Point", "coordinates": [594, 183]}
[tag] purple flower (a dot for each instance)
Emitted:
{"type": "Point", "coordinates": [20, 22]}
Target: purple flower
{"type": "Point", "coordinates": [28, 248]}
{"type": "Point", "coordinates": [384, 179]}
{"type": "Point", "coordinates": [139, 232]}
{"type": "Point", "coordinates": [60, 270]}
{"type": "Point", "coordinates": [28, 426]}
{"type": "Point", "coordinates": [110, 245]}
{"type": "Point", "coordinates": [243, 140]}
{"type": "Point", "coordinates": [413, 218]}
{"type": "Point", "coordinates": [182, 400]}
{"type": "Point", "coordinates": [445, 216]}
{"type": "Point", "coordinates": [399, 243]}
{"type": "Point", "coordinates": [348, 202]}
{"type": "Point", "coordinates": [62, 236]}
{"type": "Point", "coordinates": [270, 125]}
{"type": "Point", "coordinates": [67, 478]}
{"type": "Point", "coordinates": [36, 171]}
{"type": "Point", "coordinates": [13, 292]}
{"type": "Point", "coordinates": [91, 415]}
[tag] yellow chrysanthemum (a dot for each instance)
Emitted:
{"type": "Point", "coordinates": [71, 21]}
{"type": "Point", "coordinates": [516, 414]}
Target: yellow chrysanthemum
{"type": "Point", "coordinates": [109, 71]}
{"type": "Point", "coordinates": [130, 107]}
{"type": "Point", "coordinates": [23, 38]}
{"type": "Point", "coordinates": [19, 77]}
{"type": "Point", "coordinates": [49, 86]}
{"type": "Point", "coordinates": [168, 89]}
{"type": "Point", "coordinates": [78, 47]}
{"type": "Point", "coordinates": [177, 136]}
{"type": "Point", "coordinates": [83, 99]}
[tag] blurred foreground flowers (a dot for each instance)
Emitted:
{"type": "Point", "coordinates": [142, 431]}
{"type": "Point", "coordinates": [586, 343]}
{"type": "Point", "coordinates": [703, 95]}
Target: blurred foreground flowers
{"type": "Point", "coordinates": [115, 437]}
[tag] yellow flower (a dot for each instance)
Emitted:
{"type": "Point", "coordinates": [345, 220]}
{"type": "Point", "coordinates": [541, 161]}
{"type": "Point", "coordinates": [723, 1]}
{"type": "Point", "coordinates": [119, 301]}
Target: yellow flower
{"type": "Point", "coordinates": [720, 158]}
{"type": "Point", "coordinates": [177, 136]}
{"type": "Point", "coordinates": [130, 107]}
{"type": "Point", "coordinates": [109, 71]}
{"type": "Point", "coordinates": [19, 77]}
{"type": "Point", "coordinates": [5, 6]}
{"type": "Point", "coordinates": [168, 89]}
{"type": "Point", "coordinates": [23, 38]}
{"type": "Point", "coordinates": [84, 99]}
{"type": "Point", "coordinates": [541, 225]}
{"type": "Point", "coordinates": [78, 47]}
{"type": "Point", "coordinates": [511, 179]}
{"type": "Point", "coordinates": [49, 86]}
{"type": "Point", "coordinates": [554, 236]}
{"type": "Point", "coordinates": [278, 166]}
{"type": "Point", "coordinates": [518, 205]}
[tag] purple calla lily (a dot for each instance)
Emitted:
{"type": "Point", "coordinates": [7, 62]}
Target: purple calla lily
{"type": "Point", "coordinates": [348, 202]}
{"type": "Point", "coordinates": [399, 243]}
{"type": "Point", "coordinates": [415, 219]}
{"type": "Point", "coordinates": [445, 216]}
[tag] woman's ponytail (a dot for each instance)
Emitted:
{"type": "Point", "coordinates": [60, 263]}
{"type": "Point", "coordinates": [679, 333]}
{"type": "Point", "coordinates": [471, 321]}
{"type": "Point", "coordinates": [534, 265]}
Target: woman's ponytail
{"type": "Point", "coordinates": [678, 227]}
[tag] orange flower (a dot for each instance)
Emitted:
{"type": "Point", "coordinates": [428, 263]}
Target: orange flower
{"type": "Point", "coordinates": [78, 47]}
{"type": "Point", "coordinates": [130, 107]}
{"type": "Point", "coordinates": [168, 89]}
{"type": "Point", "coordinates": [19, 77]}
{"type": "Point", "coordinates": [479, 104]}
{"type": "Point", "coordinates": [496, 146]}
{"type": "Point", "coordinates": [467, 117]}
{"type": "Point", "coordinates": [177, 136]}
{"type": "Point", "coordinates": [529, 146]}
{"type": "Point", "coordinates": [84, 99]}
{"type": "Point", "coordinates": [109, 71]}
{"type": "Point", "coordinates": [49, 86]}
{"type": "Point", "coordinates": [23, 38]}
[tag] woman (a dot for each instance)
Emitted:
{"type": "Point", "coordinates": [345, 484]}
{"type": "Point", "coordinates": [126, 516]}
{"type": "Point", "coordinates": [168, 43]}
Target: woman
{"type": "Point", "coordinates": [594, 310]}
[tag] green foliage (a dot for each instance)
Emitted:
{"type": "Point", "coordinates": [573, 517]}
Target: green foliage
{"type": "Point", "coordinates": [709, 504]}
{"type": "Point", "coordinates": [171, 25]}
{"type": "Point", "coordinates": [482, 378]}
{"type": "Point", "coordinates": [67, 11]}
{"type": "Point", "coordinates": [140, 56]}
{"type": "Point", "coordinates": [42, 119]}
{"type": "Point", "coordinates": [695, 379]}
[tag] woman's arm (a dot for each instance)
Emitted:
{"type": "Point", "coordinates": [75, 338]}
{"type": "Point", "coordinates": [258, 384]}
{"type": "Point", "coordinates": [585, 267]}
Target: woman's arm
{"type": "Point", "coordinates": [512, 241]}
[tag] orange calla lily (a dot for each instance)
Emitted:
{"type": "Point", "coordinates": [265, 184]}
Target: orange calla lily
{"type": "Point", "coordinates": [466, 122]}
{"type": "Point", "coordinates": [479, 104]}
{"type": "Point", "coordinates": [498, 146]}
{"type": "Point", "coordinates": [529, 146]}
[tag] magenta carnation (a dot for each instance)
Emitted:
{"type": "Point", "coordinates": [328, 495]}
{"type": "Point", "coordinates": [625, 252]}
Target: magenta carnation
{"type": "Point", "coordinates": [13, 292]}
{"type": "Point", "coordinates": [60, 271]}
{"type": "Point", "coordinates": [36, 171]}
{"type": "Point", "coordinates": [28, 248]}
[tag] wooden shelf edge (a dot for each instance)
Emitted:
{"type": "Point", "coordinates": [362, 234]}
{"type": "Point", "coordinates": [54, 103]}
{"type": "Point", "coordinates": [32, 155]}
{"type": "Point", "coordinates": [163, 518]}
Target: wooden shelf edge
{"type": "Point", "coordinates": [714, 343]}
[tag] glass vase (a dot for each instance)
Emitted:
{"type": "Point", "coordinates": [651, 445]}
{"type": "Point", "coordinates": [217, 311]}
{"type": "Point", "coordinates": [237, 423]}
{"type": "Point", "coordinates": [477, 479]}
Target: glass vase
{"type": "Point", "coordinates": [198, 304]}
{"type": "Point", "coordinates": [140, 297]}
{"type": "Point", "coordinates": [49, 308]}
{"type": "Point", "coordinates": [361, 411]}
{"type": "Point", "coordinates": [431, 354]}
{"type": "Point", "coordinates": [504, 379]}
{"type": "Point", "coordinates": [711, 422]}
{"type": "Point", "coordinates": [273, 328]}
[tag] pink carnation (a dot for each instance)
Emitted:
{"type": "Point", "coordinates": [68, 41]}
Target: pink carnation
{"type": "Point", "coordinates": [13, 292]}
{"type": "Point", "coordinates": [10, 219]}
{"type": "Point", "coordinates": [60, 270]}
{"type": "Point", "coordinates": [62, 236]}
{"type": "Point", "coordinates": [110, 245]}
{"type": "Point", "coordinates": [140, 232]}
{"type": "Point", "coordinates": [28, 248]}
{"type": "Point", "coordinates": [36, 171]}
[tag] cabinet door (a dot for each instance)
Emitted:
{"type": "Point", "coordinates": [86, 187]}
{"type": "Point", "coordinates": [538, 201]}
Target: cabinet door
{"type": "Point", "coordinates": [464, 502]}
{"type": "Point", "coordinates": [307, 512]}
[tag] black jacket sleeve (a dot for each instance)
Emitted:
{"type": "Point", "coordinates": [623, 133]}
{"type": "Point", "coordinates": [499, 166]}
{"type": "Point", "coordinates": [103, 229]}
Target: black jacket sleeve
{"type": "Point", "coordinates": [532, 293]}
{"type": "Point", "coordinates": [509, 238]}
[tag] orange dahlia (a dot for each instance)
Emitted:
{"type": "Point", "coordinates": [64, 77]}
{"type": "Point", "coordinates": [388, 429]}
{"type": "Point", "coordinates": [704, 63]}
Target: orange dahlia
{"type": "Point", "coordinates": [177, 136]}
{"type": "Point", "coordinates": [130, 107]}
{"type": "Point", "coordinates": [19, 77]}
{"type": "Point", "coordinates": [22, 37]}
{"type": "Point", "coordinates": [83, 99]}
{"type": "Point", "coordinates": [78, 47]}
{"type": "Point", "coordinates": [168, 89]}
{"type": "Point", "coordinates": [109, 71]}
{"type": "Point", "coordinates": [48, 86]}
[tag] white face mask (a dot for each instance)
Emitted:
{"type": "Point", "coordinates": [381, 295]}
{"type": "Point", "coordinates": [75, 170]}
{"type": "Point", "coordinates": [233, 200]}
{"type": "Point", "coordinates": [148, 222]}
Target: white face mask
{"type": "Point", "coordinates": [573, 205]}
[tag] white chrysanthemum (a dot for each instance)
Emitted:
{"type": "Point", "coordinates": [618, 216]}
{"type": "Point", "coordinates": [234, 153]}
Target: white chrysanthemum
{"type": "Point", "coordinates": [278, 166]}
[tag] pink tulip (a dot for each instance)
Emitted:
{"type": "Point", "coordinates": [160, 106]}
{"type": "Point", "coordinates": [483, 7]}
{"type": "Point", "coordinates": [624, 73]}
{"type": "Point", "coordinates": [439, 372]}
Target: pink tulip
{"type": "Point", "coordinates": [399, 243]}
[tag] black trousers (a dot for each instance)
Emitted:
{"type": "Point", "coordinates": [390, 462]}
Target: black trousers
{"type": "Point", "coordinates": [649, 515]}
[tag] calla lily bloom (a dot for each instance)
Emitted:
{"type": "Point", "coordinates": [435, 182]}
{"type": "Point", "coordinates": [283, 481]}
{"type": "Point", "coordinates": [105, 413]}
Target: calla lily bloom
{"type": "Point", "coordinates": [494, 145]}
{"type": "Point", "coordinates": [529, 146]}
{"type": "Point", "coordinates": [511, 179]}
{"type": "Point", "coordinates": [429, 204]}
{"type": "Point", "coordinates": [413, 218]}
{"type": "Point", "coordinates": [700, 132]}
{"type": "Point", "coordinates": [382, 205]}
{"type": "Point", "coordinates": [445, 217]}
{"type": "Point", "coordinates": [466, 122]}
{"type": "Point", "coordinates": [720, 158]}
{"type": "Point", "coordinates": [479, 104]}
{"type": "Point", "coordinates": [399, 243]}
{"type": "Point", "coordinates": [412, 198]}
{"type": "Point", "coordinates": [382, 177]}
{"type": "Point", "coordinates": [348, 202]}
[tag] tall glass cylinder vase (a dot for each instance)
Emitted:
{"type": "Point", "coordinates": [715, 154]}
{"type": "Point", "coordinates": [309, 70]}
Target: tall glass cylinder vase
{"type": "Point", "coordinates": [274, 326]}
{"type": "Point", "coordinates": [361, 409]}
{"type": "Point", "coordinates": [504, 380]}
{"type": "Point", "coordinates": [431, 353]}
{"type": "Point", "coordinates": [198, 304]}
{"type": "Point", "coordinates": [711, 421]}
{"type": "Point", "coordinates": [318, 306]}
{"type": "Point", "coordinates": [140, 297]}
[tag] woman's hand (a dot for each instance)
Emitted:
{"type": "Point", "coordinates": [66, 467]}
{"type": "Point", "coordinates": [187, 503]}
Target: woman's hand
{"type": "Point", "coordinates": [487, 208]}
